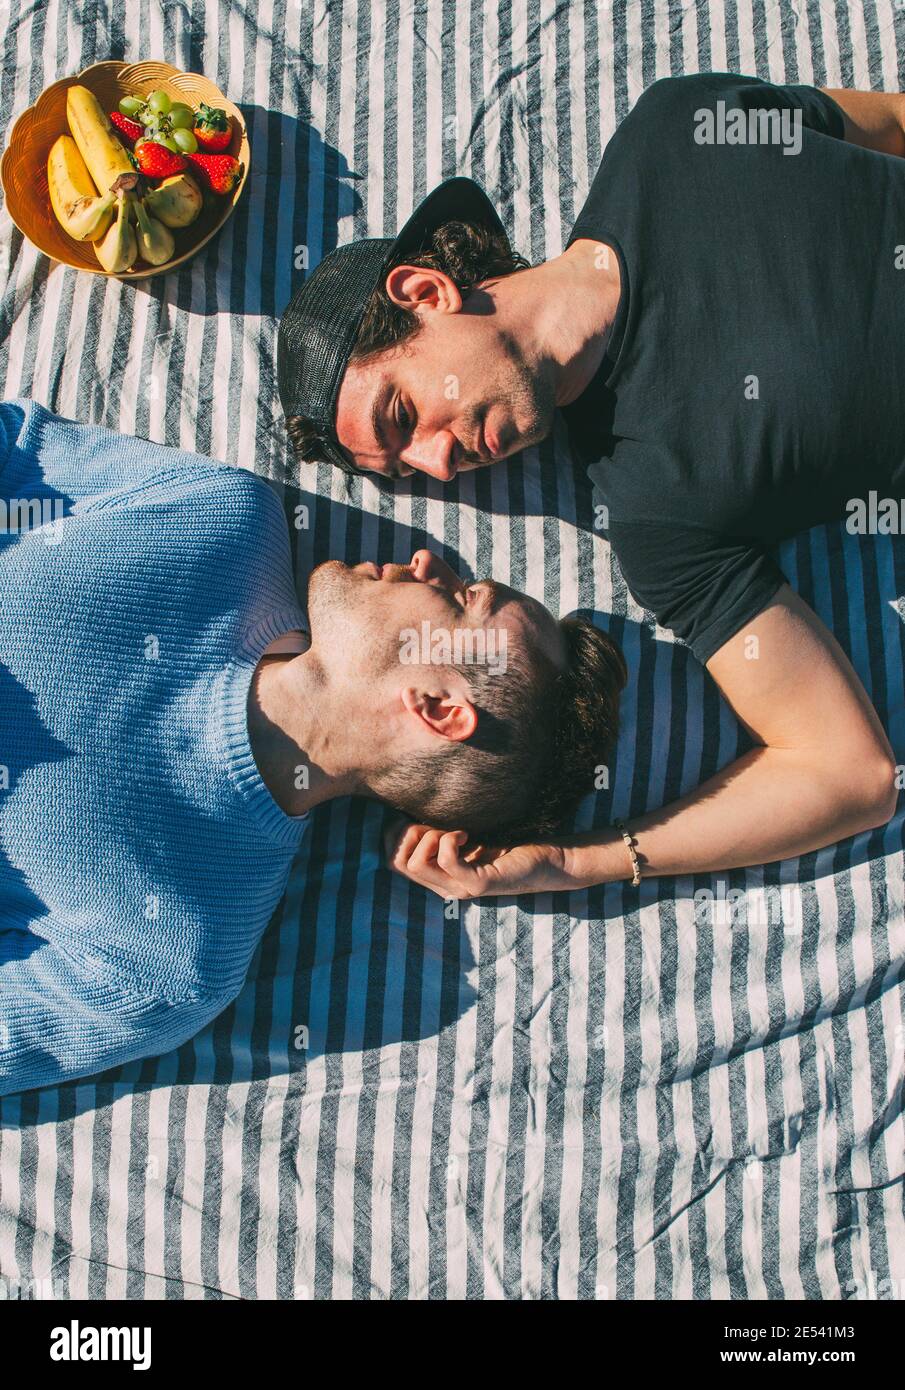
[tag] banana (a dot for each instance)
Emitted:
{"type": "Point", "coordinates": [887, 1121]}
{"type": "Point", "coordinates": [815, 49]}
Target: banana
{"type": "Point", "coordinates": [77, 206]}
{"type": "Point", "coordinates": [99, 146]}
{"type": "Point", "coordinates": [118, 250]}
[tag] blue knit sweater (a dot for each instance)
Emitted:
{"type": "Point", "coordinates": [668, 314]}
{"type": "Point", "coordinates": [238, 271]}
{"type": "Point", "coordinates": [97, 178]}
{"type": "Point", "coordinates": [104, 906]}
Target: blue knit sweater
{"type": "Point", "coordinates": [141, 855]}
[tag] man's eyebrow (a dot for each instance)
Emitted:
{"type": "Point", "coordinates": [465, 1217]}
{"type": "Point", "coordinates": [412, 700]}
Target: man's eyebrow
{"type": "Point", "coordinates": [378, 405]}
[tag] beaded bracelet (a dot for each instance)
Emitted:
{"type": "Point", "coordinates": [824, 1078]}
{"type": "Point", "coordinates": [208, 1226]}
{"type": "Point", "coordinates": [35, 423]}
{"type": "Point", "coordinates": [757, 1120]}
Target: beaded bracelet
{"type": "Point", "coordinates": [636, 867]}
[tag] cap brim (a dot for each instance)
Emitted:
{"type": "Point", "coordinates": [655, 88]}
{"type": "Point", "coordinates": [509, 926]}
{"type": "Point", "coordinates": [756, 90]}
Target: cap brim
{"type": "Point", "coordinates": [457, 199]}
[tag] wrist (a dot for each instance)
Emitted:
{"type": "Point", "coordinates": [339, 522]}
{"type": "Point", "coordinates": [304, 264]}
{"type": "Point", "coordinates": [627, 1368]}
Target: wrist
{"type": "Point", "coordinates": [600, 857]}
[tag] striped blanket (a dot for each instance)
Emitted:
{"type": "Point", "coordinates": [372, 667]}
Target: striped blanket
{"type": "Point", "coordinates": [689, 1090]}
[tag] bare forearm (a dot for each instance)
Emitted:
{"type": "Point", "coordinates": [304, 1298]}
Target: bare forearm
{"type": "Point", "coordinates": [874, 120]}
{"type": "Point", "coordinates": [772, 803]}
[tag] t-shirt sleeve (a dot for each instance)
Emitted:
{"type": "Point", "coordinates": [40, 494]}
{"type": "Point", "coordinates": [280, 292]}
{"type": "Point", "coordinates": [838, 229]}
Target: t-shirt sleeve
{"type": "Point", "coordinates": [819, 112]}
{"type": "Point", "coordinates": [703, 586]}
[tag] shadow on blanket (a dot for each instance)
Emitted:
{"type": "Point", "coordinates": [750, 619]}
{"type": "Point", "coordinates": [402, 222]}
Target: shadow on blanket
{"type": "Point", "coordinates": [263, 247]}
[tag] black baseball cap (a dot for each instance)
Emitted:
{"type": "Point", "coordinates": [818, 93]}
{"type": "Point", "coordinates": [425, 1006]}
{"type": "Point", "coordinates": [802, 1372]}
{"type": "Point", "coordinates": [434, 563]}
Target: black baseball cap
{"type": "Point", "coordinates": [320, 323]}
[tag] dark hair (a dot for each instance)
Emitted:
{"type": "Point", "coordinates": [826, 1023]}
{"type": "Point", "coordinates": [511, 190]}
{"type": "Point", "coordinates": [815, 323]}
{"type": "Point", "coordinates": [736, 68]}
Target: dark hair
{"type": "Point", "coordinates": [469, 254]}
{"type": "Point", "coordinates": [543, 734]}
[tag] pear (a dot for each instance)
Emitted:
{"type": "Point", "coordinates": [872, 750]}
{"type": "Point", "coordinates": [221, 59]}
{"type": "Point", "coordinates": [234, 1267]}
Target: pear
{"type": "Point", "coordinates": [155, 241]}
{"type": "Point", "coordinates": [176, 201]}
{"type": "Point", "coordinates": [118, 249]}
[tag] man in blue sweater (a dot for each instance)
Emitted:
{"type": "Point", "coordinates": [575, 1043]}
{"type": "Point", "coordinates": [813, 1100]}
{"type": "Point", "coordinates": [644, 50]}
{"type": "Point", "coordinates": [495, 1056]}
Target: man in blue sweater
{"type": "Point", "coordinates": [168, 718]}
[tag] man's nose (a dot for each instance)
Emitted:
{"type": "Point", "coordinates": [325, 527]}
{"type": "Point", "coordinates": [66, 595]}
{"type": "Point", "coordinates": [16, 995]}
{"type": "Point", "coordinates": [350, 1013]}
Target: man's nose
{"type": "Point", "coordinates": [437, 455]}
{"type": "Point", "coordinates": [428, 568]}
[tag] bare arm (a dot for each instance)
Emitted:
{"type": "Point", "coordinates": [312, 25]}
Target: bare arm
{"type": "Point", "coordinates": [824, 769]}
{"type": "Point", "coordinates": [875, 120]}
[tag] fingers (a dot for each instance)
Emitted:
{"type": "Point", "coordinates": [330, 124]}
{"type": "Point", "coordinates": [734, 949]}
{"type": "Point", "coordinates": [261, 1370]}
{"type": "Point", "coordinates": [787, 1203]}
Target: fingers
{"type": "Point", "coordinates": [400, 838]}
{"type": "Point", "coordinates": [449, 856]}
{"type": "Point", "coordinates": [424, 854]}
{"type": "Point", "coordinates": [431, 858]}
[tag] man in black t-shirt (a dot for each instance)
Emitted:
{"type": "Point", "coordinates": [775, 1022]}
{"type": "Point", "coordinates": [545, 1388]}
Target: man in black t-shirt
{"type": "Point", "coordinates": [724, 336]}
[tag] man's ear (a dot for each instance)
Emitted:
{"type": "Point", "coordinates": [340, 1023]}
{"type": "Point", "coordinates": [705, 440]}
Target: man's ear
{"type": "Point", "coordinates": [451, 715]}
{"type": "Point", "coordinates": [412, 286]}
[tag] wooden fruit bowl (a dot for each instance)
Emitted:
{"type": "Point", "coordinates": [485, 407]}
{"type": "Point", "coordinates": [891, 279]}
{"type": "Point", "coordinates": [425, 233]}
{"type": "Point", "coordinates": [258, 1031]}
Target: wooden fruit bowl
{"type": "Point", "coordinates": [23, 168]}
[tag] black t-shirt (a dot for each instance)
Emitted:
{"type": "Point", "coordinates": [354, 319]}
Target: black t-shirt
{"type": "Point", "coordinates": [754, 381]}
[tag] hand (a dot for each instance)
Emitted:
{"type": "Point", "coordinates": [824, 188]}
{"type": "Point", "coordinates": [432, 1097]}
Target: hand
{"type": "Point", "coordinates": [445, 862]}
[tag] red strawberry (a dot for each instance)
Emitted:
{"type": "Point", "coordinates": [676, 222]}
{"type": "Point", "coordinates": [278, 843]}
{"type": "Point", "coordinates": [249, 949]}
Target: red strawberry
{"type": "Point", "coordinates": [213, 129]}
{"type": "Point", "coordinates": [127, 130]}
{"type": "Point", "coordinates": [156, 161]}
{"type": "Point", "coordinates": [219, 172]}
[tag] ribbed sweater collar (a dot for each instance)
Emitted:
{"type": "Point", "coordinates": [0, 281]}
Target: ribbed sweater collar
{"type": "Point", "coordinates": [233, 723]}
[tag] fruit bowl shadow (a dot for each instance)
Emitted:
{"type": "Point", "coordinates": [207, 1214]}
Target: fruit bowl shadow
{"type": "Point", "coordinates": [23, 168]}
{"type": "Point", "coordinates": [296, 177]}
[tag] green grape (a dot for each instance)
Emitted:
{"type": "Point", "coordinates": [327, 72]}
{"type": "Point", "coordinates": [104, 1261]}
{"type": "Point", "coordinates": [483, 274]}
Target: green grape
{"type": "Point", "coordinates": [182, 116]}
{"type": "Point", "coordinates": [130, 106]}
{"type": "Point", "coordinates": [159, 102]}
{"type": "Point", "coordinates": [185, 141]}
{"type": "Point", "coordinates": [169, 141]}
